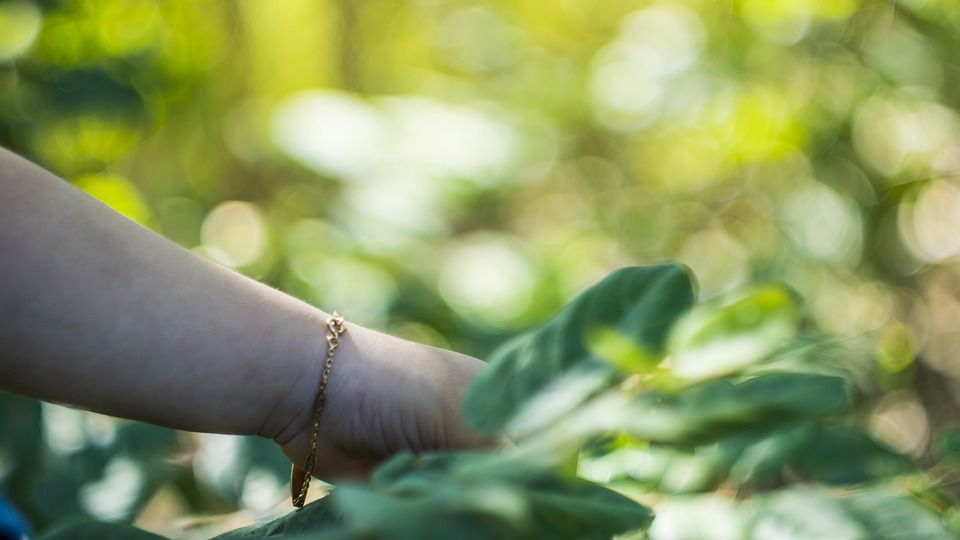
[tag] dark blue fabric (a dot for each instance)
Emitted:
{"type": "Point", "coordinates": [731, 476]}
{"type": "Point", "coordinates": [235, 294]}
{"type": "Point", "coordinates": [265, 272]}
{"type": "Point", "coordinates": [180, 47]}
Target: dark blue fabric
{"type": "Point", "coordinates": [12, 524]}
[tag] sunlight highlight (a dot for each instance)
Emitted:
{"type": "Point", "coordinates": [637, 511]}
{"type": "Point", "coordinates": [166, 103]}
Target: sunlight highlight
{"type": "Point", "coordinates": [20, 23]}
{"type": "Point", "coordinates": [235, 234]}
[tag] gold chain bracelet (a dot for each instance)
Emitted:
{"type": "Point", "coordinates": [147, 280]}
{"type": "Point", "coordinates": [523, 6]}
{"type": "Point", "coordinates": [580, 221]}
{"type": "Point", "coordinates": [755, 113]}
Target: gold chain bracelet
{"type": "Point", "coordinates": [300, 478]}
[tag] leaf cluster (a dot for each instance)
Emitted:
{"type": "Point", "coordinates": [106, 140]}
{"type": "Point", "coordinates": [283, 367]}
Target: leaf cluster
{"type": "Point", "coordinates": [650, 398]}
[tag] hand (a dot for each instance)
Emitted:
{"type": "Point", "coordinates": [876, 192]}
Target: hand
{"type": "Point", "coordinates": [385, 395]}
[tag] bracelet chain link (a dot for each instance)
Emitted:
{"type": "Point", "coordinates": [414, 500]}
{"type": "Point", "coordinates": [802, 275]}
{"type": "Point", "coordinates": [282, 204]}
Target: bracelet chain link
{"type": "Point", "coordinates": [335, 328]}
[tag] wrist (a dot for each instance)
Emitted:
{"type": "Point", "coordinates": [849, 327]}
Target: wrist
{"type": "Point", "coordinates": [292, 407]}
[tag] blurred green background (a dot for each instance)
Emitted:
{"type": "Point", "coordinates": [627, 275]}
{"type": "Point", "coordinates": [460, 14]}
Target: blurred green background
{"type": "Point", "coordinates": [452, 171]}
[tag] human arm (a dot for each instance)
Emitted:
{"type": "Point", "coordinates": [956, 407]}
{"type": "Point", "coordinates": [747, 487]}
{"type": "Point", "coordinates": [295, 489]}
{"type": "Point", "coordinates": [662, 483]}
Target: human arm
{"type": "Point", "coordinates": [100, 313]}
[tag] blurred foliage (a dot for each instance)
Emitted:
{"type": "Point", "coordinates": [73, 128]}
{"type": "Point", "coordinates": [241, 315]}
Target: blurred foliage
{"type": "Point", "coordinates": [775, 442]}
{"type": "Point", "coordinates": [466, 496]}
{"type": "Point", "coordinates": [471, 165]}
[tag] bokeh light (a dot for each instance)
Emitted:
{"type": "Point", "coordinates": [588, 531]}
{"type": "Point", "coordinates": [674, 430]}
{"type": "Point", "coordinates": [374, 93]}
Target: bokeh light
{"type": "Point", "coordinates": [929, 224]}
{"type": "Point", "coordinates": [487, 276]}
{"type": "Point", "coordinates": [235, 234]}
{"type": "Point", "coordinates": [20, 23]}
{"type": "Point", "coordinates": [455, 171]}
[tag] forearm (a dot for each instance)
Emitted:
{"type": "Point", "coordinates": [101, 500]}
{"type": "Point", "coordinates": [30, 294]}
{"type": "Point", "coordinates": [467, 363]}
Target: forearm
{"type": "Point", "coordinates": [97, 312]}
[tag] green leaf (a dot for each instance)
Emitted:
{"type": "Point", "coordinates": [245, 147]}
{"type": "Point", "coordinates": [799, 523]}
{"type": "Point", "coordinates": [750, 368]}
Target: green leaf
{"type": "Point", "coordinates": [429, 517]}
{"type": "Point", "coordinates": [620, 351]}
{"type": "Point", "coordinates": [760, 460]}
{"type": "Point", "coordinates": [804, 513]}
{"type": "Point", "coordinates": [315, 518]}
{"type": "Point", "coordinates": [833, 454]}
{"type": "Point", "coordinates": [846, 455]}
{"type": "Point", "coordinates": [93, 530]}
{"type": "Point", "coordinates": [702, 517]}
{"type": "Point", "coordinates": [639, 303]}
{"type": "Point", "coordinates": [579, 509]}
{"type": "Point", "coordinates": [509, 494]}
{"type": "Point", "coordinates": [713, 410]}
{"type": "Point", "coordinates": [812, 512]}
{"type": "Point", "coordinates": [722, 337]}
{"type": "Point", "coordinates": [461, 495]}
{"type": "Point", "coordinates": [897, 517]}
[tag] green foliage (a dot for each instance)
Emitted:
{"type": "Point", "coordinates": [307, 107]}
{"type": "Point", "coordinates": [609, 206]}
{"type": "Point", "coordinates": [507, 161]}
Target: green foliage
{"type": "Point", "coordinates": [802, 512]}
{"type": "Point", "coordinates": [756, 417]}
{"type": "Point", "coordinates": [641, 303]}
{"type": "Point", "coordinates": [462, 496]}
{"type": "Point", "coordinates": [716, 409]}
{"type": "Point", "coordinates": [741, 330]}
{"type": "Point", "coordinates": [779, 434]}
{"type": "Point", "coordinates": [97, 531]}
{"type": "Point", "coordinates": [459, 168]}
{"type": "Point", "coordinates": [811, 513]}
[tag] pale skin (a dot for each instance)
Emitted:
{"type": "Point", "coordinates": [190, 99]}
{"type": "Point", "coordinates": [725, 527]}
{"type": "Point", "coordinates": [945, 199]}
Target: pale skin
{"type": "Point", "coordinates": [99, 313]}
